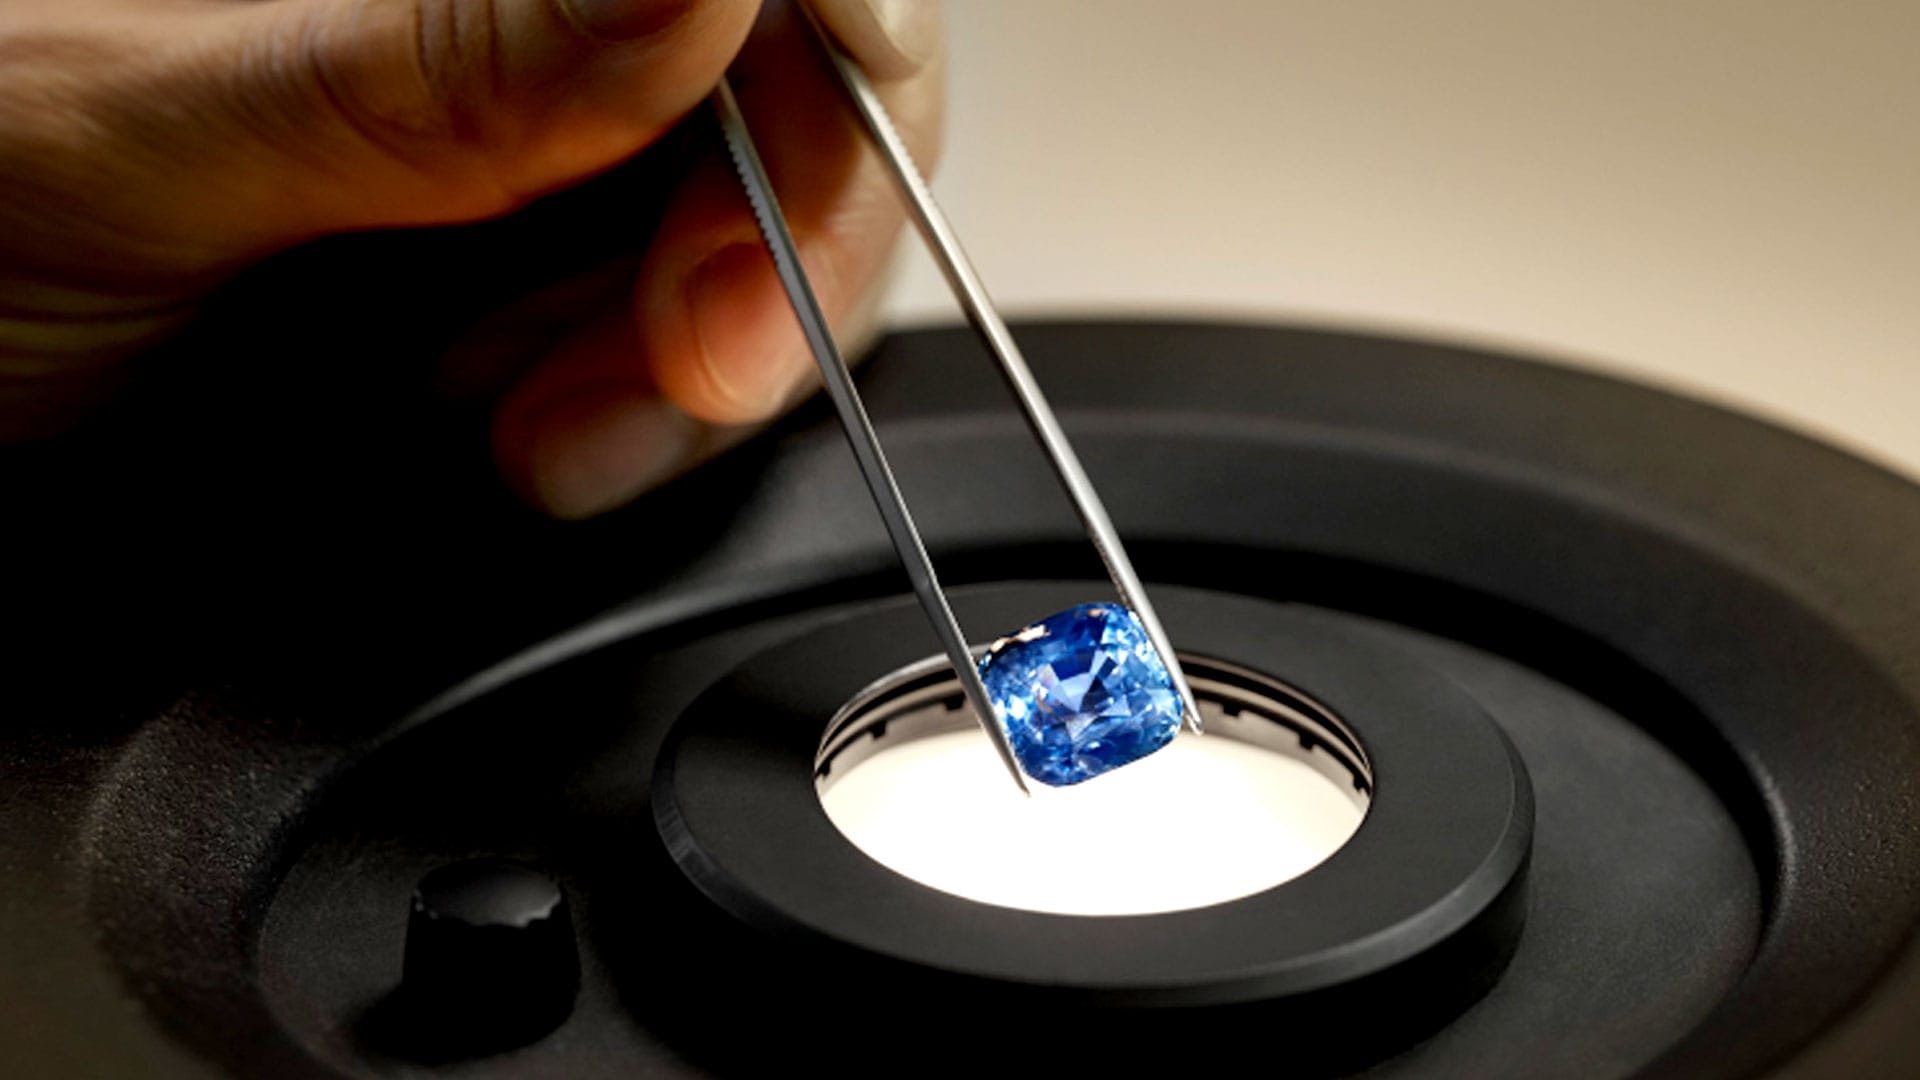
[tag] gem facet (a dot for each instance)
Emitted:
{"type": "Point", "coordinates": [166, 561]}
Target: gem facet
{"type": "Point", "coordinates": [1080, 693]}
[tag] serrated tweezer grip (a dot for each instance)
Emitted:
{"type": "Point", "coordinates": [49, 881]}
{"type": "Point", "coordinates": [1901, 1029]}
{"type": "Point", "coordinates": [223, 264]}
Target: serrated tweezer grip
{"type": "Point", "coordinates": [972, 295]}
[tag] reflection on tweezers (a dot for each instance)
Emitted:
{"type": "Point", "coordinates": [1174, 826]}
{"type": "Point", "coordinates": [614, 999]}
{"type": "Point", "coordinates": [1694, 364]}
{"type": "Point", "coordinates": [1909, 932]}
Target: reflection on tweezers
{"type": "Point", "coordinates": [972, 295]}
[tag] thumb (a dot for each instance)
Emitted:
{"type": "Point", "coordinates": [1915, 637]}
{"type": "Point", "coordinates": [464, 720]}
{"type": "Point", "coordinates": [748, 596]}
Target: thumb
{"type": "Point", "coordinates": [329, 115]}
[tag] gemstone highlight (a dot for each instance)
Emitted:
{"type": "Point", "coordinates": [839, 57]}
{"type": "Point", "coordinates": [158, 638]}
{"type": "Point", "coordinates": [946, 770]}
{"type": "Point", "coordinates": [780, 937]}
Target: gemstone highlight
{"type": "Point", "coordinates": [1081, 693]}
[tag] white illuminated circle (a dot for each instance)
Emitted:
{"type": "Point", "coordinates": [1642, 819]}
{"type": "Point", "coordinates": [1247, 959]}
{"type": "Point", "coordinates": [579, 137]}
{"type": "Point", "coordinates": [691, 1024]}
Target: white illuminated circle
{"type": "Point", "coordinates": [1203, 821]}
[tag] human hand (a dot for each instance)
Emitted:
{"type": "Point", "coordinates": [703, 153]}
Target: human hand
{"type": "Point", "coordinates": [150, 150]}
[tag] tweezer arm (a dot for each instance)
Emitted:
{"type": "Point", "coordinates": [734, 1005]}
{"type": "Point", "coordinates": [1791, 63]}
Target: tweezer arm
{"type": "Point", "coordinates": [945, 247]}
{"type": "Point", "coordinates": [853, 417]}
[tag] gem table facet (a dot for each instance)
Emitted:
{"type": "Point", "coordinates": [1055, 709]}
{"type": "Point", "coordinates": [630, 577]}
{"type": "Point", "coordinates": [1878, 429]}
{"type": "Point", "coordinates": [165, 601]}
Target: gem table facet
{"type": "Point", "coordinates": [1080, 693]}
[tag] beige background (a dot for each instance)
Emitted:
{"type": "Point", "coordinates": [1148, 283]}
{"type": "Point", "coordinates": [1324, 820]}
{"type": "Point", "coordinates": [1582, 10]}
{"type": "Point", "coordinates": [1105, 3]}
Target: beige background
{"type": "Point", "coordinates": [1722, 197]}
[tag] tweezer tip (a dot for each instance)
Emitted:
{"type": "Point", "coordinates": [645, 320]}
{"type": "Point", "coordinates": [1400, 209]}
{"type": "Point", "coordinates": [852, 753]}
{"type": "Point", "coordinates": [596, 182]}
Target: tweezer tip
{"type": "Point", "coordinates": [1194, 723]}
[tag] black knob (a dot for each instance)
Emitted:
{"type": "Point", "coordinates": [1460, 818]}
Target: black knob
{"type": "Point", "coordinates": [491, 960]}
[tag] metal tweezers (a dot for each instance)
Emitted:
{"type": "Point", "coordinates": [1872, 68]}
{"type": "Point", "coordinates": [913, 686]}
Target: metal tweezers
{"type": "Point", "coordinates": [972, 295]}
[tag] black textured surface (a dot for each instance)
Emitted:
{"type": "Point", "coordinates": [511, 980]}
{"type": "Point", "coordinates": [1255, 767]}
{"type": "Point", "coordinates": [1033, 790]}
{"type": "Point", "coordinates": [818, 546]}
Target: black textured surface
{"type": "Point", "coordinates": [184, 719]}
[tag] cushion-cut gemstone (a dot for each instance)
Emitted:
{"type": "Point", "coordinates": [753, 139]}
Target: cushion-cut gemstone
{"type": "Point", "coordinates": [1080, 693]}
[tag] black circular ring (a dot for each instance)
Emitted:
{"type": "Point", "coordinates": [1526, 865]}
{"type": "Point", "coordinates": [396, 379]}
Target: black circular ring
{"type": "Point", "coordinates": [1429, 888]}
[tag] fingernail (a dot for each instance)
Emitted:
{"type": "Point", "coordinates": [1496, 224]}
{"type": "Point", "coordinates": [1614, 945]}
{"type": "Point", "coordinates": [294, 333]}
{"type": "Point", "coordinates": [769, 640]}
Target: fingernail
{"type": "Point", "coordinates": [748, 348]}
{"type": "Point", "coordinates": [912, 27]}
{"type": "Point", "coordinates": [598, 448]}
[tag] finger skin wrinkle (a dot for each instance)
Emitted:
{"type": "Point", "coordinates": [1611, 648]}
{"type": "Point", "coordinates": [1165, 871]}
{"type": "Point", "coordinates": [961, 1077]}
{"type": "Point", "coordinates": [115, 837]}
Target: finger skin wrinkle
{"type": "Point", "coordinates": [404, 111]}
{"type": "Point", "coordinates": [383, 126]}
{"type": "Point", "coordinates": [381, 77]}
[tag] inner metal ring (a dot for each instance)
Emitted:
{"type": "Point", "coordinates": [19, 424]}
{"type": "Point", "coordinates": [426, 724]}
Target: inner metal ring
{"type": "Point", "coordinates": [1420, 907]}
{"type": "Point", "coordinates": [924, 699]}
{"type": "Point", "coordinates": [1280, 781]}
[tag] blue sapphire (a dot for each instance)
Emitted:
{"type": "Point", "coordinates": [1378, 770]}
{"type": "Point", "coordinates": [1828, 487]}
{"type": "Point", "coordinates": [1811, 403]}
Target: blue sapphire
{"type": "Point", "coordinates": [1080, 693]}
